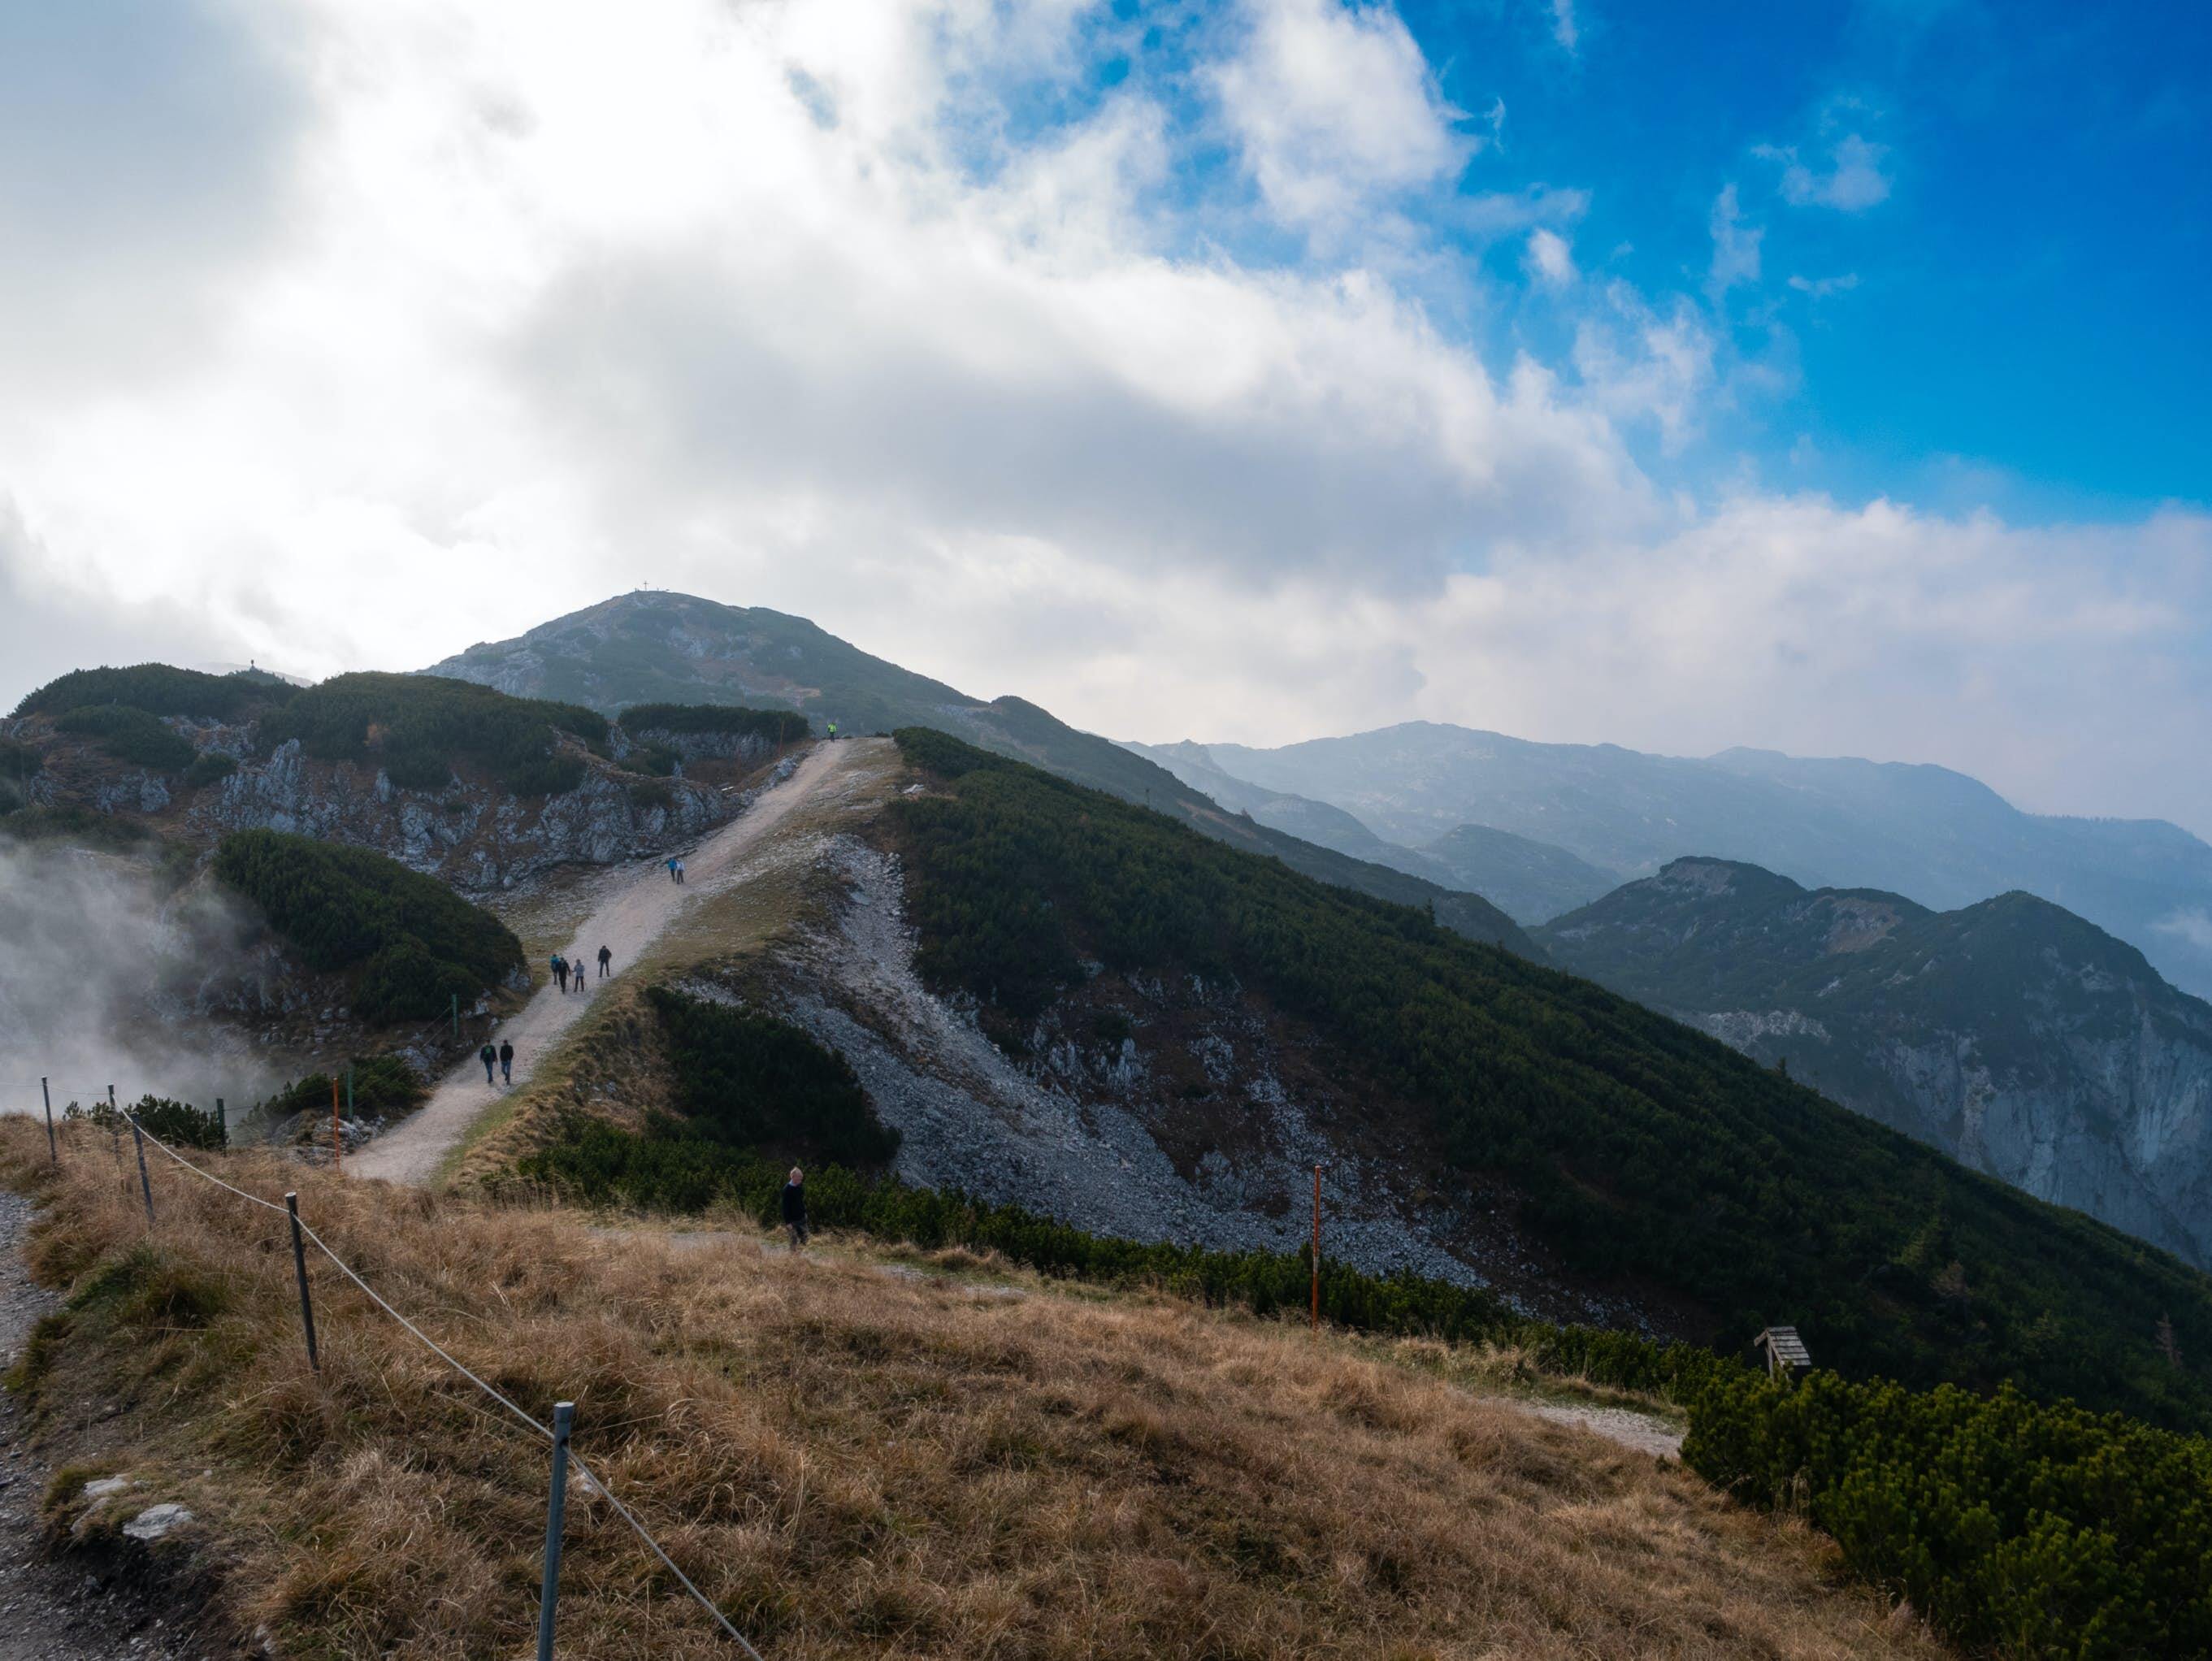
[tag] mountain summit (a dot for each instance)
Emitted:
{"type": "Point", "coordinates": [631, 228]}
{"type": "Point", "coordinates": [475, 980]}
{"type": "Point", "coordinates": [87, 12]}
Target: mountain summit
{"type": "Point", "coordinates": [652, 646]}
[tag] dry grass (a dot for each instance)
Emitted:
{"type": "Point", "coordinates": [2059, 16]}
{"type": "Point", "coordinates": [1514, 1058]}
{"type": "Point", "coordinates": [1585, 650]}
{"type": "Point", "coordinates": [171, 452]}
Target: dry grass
{"type": "Point", "coordinates": [853, 1463]}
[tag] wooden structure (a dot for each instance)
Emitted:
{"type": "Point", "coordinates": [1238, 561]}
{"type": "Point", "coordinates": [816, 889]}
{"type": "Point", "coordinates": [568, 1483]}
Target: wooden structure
{"type": "Point", "coordinates": [1784, 1352]}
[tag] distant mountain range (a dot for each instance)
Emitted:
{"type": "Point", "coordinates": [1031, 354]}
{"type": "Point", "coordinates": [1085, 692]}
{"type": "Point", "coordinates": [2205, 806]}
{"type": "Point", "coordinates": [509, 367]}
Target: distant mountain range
{"type": "Point", "coordinates": [2011, 1034]}
{"type": "Point", "coordinates": [652, 646]}
{"type": "Point", "coordinates": [1937, 836]}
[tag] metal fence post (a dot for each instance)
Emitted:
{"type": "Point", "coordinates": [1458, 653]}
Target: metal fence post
{"type": "Point", "coordinates": [114, 1128]}
{"type": "Point", "coordinates": [145, 1183]}
{"type": "Point", "coordinates": [299, 1268]}
{"type": "Point", "coordinates": [221, 1123]}
{"type": "Point", "coordinates": [1316, 1251]}
{"type": "Point", "coordinates": [557, 1506]}
{"type": "Point", "coordinates": [53, 1149]}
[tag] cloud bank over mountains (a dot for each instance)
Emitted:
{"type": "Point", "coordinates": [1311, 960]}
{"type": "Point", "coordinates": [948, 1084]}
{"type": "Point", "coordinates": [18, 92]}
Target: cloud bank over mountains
{"type": "Point", "coordinates": [1125, 364]}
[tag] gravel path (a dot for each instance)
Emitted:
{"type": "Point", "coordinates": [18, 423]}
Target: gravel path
{"type": "Point", "coordinates": [49, 1610]}
{"type": "Point", "coordinates": [629, 917]}
{"type": "Point", "coordinates": [1638, 1431]}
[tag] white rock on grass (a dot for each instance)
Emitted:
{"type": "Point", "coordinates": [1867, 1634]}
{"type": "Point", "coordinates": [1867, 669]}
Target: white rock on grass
{"type": "Point", "coordinates": [155, 1521]}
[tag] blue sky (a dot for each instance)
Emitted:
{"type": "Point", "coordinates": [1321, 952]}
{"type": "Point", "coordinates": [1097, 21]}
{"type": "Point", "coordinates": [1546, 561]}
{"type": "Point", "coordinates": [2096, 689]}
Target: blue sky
{"type": "Point", "coordinates": [1822, 378]}
{"type": "Point", "coordinates": [2028, 305]}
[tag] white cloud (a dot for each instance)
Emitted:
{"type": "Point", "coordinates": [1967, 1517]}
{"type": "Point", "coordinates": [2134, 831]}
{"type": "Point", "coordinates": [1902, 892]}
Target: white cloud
{"type": "Point", "coordinates": [539, 301]}
{"type": "Point", "coordinates": [1335, 107]}
{"type": "Point", "coordinates": [1819, 288]}
{"type": "Point", "coordinates": [1735, 245]}
{"type": "Point", "coordinates": [1853, 181]}
{"type": "Point", "coordinates": [1562, 26]}
{"type": "Point", "coordinates": [2192, 925]}
{"type": "Point", "coordinates": [1551, 257]}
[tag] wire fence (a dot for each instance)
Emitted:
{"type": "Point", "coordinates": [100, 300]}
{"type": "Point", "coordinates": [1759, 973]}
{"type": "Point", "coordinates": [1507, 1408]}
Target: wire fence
{"type": "Point", "coordinates": [592, 1480]}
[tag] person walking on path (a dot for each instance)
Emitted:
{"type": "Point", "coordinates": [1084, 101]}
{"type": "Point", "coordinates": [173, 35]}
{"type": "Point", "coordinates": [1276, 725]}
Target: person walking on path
{"type": "Point", "coordinates": [794, 1207]}
{"type": "Point", "coordinates": [506, 1061]}
{"type": "Point", "coordinates": [607, 957]}
{"type": "Point", "coordinates": [679, 868]}
{"type": "Point", "coordinates": [489, 1056]}
{"type": "Point", "coordinates": [671, 863]}
{"type": "Point", "coordinates": [561, 971]}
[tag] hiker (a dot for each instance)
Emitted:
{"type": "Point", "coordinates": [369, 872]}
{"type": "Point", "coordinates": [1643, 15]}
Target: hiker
{"type": "Point", "coordinates": [607, 957]}
{"type": "Point", "coordinates": [680, 870]}
{"type": "Point", "coordinates": [506, 1061]}
{"type": "Point", "coordinates": [487, 1055]}
{"type": "Point", "coordinates": [561, 971]}
{"type": "Point", "coordinates": [674, 867]}
{"type": "Point", "coordinates": [833, 732]}
{"type": "Point", "coordinates": [794, 1207]}
{"type": "Point", "coordinates": [576, 974]}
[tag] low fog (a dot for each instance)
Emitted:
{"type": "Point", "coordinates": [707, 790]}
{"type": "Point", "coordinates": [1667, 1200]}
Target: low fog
{"type": "Point", "coordinates": [105, 979]}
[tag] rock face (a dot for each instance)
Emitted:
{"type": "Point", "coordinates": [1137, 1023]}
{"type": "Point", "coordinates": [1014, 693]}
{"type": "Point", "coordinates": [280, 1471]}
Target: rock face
{"type": "Point", "coordinates": [2013, 1035]}
{"type": "Point", "coordinates": [472, 836]}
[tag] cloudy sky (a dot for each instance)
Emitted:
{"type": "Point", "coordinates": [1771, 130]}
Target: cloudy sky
{"type": "Point", "coordinates": [1828, 377]}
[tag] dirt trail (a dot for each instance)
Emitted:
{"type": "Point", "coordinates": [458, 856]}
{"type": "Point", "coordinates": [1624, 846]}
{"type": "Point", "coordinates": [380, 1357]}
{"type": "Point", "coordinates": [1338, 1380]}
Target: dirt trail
{"type": "Point", "coordinates": [628, 918]}
{"type": "Point", "coordinates": [56, 1610]}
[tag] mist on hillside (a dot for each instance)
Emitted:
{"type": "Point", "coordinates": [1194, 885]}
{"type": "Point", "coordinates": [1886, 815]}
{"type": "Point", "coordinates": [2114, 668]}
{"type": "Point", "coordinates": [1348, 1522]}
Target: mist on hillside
{"type": "Point", "coordinates": [103, 981]}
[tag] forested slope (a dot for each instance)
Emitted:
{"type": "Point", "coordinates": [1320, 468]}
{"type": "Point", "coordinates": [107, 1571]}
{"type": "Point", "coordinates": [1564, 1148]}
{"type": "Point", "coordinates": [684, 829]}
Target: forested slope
{"type": "Point", "coordinates": [1635, 1143]}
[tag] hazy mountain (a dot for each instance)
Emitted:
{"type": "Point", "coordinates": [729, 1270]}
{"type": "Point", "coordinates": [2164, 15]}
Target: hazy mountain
{"type": "Point", "coordinates": [1936, 836]}
{"type": "Point", "coordinates": [651, 646]}
{"type": "Point", "coordinates": [2011, 1034]}
{"type": "Point", "coordinates": [1527, 879]}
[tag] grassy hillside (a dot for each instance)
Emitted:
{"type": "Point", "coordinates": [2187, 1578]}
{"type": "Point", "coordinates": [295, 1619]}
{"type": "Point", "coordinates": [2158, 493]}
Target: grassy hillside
{"type": "Point", "coordinates": [948, 1460]}
{"type": "Point", "coordinates": [1637, 1144]}
{"type": "Point", "coordinates": [409, 941]}
{"type": "Point", "coordinates": [659, 648]}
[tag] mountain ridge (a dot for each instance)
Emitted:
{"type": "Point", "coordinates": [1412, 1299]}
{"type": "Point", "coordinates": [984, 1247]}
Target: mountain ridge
{"type": "Point", "coordinates": [1936, 835]}
{"type": "Point", "coordinates": [617, 652]}
{"type": "Point", "coordinates": [2011, 1033]}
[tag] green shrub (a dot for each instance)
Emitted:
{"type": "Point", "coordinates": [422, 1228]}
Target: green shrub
{"type": "Point", "coordinates": [2023, 1529]}
{"type": "Point", "coordinates": [652, 793]}
{"type": "Point", "coordinates": [383, 1086]}
{"type": "Point", "coordinates": [159, 690]}
{"type": "Point", "coordinates": [415, 942]}
{"type": "Point", "coordinates": [19, 761]}
{"type": "Point", "coordinates": [131, 735]}
{"type": "Point", "coordinates": [211, 767]}
{"type": "Point", "coordinates": [776, 726]}
{"type": "Point", "coordinates": [419, 728]}
{"type": "Point", "coordinates": [1636, 1146]}
{"type": "Point", "coordinates": [178, 1124]}
{"type": "Point", "coordinates": [71, 824]}
{"type": "Point", "coordinates": [657, 760]}
{"type": "Point", "coordinates": [747, 1078]}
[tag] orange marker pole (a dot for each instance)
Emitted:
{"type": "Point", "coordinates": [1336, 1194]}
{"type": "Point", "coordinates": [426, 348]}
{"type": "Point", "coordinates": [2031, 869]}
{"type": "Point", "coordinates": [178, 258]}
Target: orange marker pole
{"type": "Point", "coordinates": [1316, 1251]}
{"type": "Point", "coordinates": [337, 1141]}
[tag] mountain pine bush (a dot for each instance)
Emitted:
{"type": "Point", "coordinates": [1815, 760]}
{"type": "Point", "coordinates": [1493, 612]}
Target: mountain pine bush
{"type": "Point", "coordinates": [413, 941]}
{"type": "Point", "coordinates": [776, 726]}
{"type": "Point", "coordinates": [131, 735]}
{"type": "Point", "coordinates": [158, 689]}
{"type": "Point", "coordinates": [747, 1078]}
{"type": "Point", "coordinates": [419, 728]}
{"type": "Point", "coordinates": [2029, 1529]}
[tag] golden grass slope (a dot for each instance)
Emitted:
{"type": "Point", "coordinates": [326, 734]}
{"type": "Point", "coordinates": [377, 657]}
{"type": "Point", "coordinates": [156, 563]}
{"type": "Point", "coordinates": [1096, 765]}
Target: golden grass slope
{"type": "Point", "coordinates": [851, 1459]}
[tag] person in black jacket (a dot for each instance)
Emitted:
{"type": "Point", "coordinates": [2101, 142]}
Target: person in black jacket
{"type": "Point", "coordinates": [794, 1207]}
{"type": "Point", "coordinates": [506, 1061]}
{"type": "Point", "coordinates": [487, 1055]}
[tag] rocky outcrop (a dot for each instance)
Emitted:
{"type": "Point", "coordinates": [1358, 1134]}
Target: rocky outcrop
{"type": "Point", "coordinates": [471, 834]}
